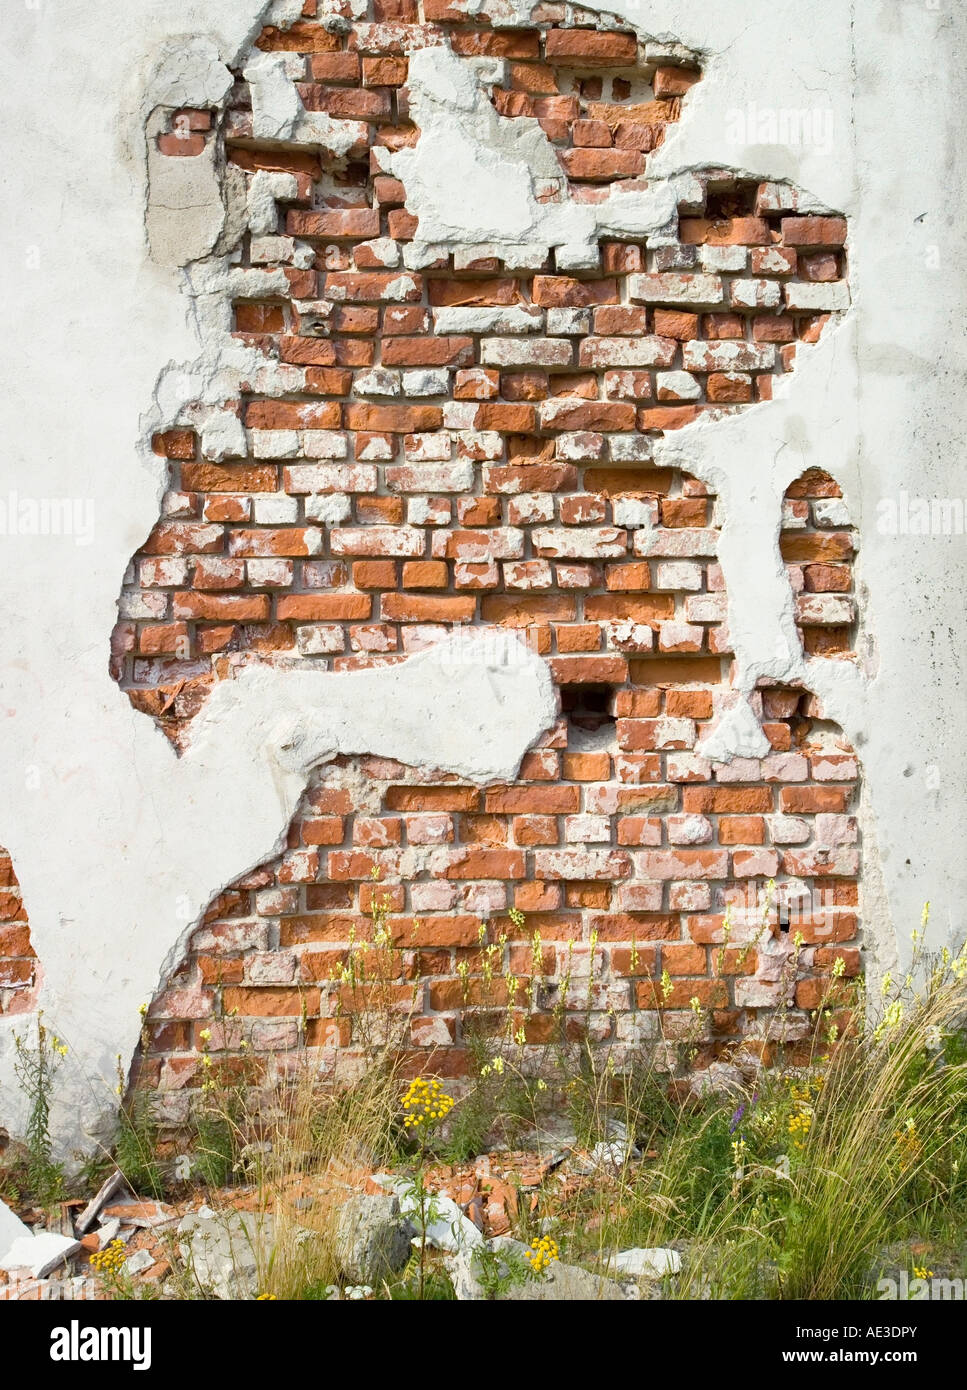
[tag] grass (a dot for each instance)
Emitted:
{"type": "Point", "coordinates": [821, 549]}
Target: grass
{"type": "Point", "coordinates": [840, 1158]}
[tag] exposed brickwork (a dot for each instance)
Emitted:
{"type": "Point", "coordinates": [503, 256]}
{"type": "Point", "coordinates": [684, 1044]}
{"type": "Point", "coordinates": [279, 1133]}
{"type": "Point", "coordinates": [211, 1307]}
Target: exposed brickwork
{"type": "Point", "coordinates": [423, 402]}
{"type": "Point", "coordinates": [818, 544]}
{"type": "Point", "coordinates": [473, 444]}
{"type": "Point", "coordinates": [18, 964]}
{"type": "Point", "coordinates": [635, 838]}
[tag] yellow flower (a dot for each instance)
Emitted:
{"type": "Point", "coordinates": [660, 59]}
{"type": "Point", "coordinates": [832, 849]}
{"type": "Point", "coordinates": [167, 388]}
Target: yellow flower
{"type": "Point", "coordinates": [425, 1101]}
{"type": "Point", "coordinates": [267, 1297]}
{"type": "Point", "coordinates": [922, 1272]}
{"type": "Point", "coordinates": [542, 1253]}
{"type": "Point", "coordinates": [109, 1260]}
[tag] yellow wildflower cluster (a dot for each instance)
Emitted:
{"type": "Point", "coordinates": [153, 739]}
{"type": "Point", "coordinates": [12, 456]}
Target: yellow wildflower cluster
{"type": "Point", "coordinates": [267, 1298]}
{"type": "Point", "coordinates": [425, 1103]}
{"type": "Point", "coordinates": [909, 1146]}
{"type": "Point", "coordinates": [110, 1259]}
{"type": "Point", "coordinates": [542, 1253]}
{"type": "Point", "coordinates": [922, 1272]}
{"type": "Point", "coordinates": [800, 1124]}
{"type": "Point", "coordinates": [803, 1092]}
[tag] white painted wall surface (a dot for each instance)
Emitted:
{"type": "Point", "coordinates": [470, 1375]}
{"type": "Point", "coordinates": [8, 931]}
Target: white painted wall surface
{"type": "Point", "coordinates": [118, 845]}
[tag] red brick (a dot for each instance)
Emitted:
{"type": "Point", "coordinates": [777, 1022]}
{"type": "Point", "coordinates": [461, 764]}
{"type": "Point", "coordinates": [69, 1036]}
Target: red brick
{"type": "Point", "coordinates": [181, 143]}
{"type": "Point", "coordinates": [300, 37]}
{"type": "Point", "coordinates": [671, 417]}
{"type": "Point", "coordinates": [428, 352]}
{"type": "Point", "coordinates": [399, 419]}
{"type": "Point", "coordinates": [342, 222]}
{"type": "Point", "coordinates": [741, 830]}
{"type": "Point", "coordinates": [424, 608]}
{"type": "Point", "coordinates": [813, 231]}
{"type": "Point", "coordinates": [424, 798]}
{"type": "Point", "coordinates": [373, 286]}
{"type": "Point", "coordinates": [600, 166]}
{"type": "Point", "coordinates": [562, 291]}
{"type": "Point", "coordinates": [241, 608]}
{"type": "Point", "coordinates": [174, 444]}
{"type": "Point", "coordinates": [425, 574]}
{"type": "Point", "coordinates": [808, 800]}
{"type": "Point", "coordinates": [521, 44]}
{"type": "Point", "coordinates": [674, 82]}
{"type": "Point", "coordinates": [335, 67]}
{"type": "Point", "coordinates": [324, 607]}
{"type": "Point", "coordinates": [606, 670]}
{"type": "Point", "coordinates": [384, 72]}
{"type": "Point", "coordinates": [293, 415]}
{"type": "Point", "coordinates": [473, 863]}
{"type": "Point", "coordinates": [584, 48]}
{"type": "Point", "coordinates": [740, 800]}
{"type": "Point", "coordinates": [555, 800]}
{"type": "Point", "coordinates": [472, 293]}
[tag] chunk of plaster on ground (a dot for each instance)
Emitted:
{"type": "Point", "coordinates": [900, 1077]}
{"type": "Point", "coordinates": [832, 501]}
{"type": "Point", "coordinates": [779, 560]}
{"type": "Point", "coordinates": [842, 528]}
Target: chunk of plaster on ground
{"type": "Point", "coordinates": [40, 1254]}
{"type": "Point", "coordinates": [139, 1261]}
{"type": "Point", "coordinates": [11, 1229]}
{"type": "Point", "coordinates": [651, 1263]}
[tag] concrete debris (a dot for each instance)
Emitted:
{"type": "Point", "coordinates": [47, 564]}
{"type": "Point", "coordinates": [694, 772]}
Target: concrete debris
{"type": "Point", "coordinates": [651, 1263]}
{"type": "Point", "coordinates": [447, 1229]}
{"type": "Point", "coordinates": [108, 1189]}
{"type": "Point", "coordinates": [562, 1282]}
{"type": "Point", "coordinates": [11, 1229]}
{"type": "Point", "coordinates": [146, 1215]}
{"type": "Point", "coordinates": [372, 1238]}
{"type": "Point", "coordinates": [138, 1262]}
{"type": "Point", "coordinates": [39, 1253]}
{"type": "Point", "coordinates": [226, 1250]}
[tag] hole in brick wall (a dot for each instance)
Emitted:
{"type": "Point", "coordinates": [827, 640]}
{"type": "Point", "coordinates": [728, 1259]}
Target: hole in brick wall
{"type": "Point", "coordinates": [737, 200]}
{"type": "Point", "coordinates": [588, 707]}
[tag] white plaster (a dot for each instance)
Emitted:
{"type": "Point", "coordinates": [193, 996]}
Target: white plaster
{"type": "Point", "coordinates": [737, 734]}
{"type": "Point", "coordinates": [117, 844]}
{"type": "Point", "coordinates": [11, 1228]}
{"type": "Point", "coordinates": [39, 1253]}
{"type": "Point", "coordinates": [464, 143]}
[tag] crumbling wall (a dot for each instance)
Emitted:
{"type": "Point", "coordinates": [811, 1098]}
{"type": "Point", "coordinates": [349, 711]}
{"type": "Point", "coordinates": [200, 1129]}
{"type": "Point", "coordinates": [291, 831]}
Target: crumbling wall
{"type": "Point", "coordinates": [123, 843]}
{"type": "Point", "coordinates": [448, 438]}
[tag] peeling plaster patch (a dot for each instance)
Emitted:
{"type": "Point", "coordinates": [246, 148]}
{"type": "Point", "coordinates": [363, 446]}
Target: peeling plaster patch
{"type": "Point", "coordinates": [465, 143]}
{"type": "Point", "coordinates": [253, 747]}
{"type": "Point", "coordinates": [278, 112]}
{"type": "Point", "coordinates": [188, 71]}
{"type": "Point", "coordinates": [750, 459]}
{"type": "Point", "coordinates": [185, 214]}
{"type": "Point", "coordinates": [738, 734]}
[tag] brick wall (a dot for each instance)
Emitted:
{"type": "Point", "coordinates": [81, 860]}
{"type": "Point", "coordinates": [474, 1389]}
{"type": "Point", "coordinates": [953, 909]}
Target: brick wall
{"type": "Point", "coordinates": [18, 964]}
{"type": "Point", "coordinates": [472, 443]}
